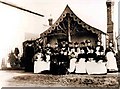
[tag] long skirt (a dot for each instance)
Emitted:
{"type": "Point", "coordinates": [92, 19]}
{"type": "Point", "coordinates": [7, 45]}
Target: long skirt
{"type": "Point", "coordinates": [72, 65]}
{"type": "Point", "coordinates": [81, 66]}
{"type": "Point", "coordinates": [111, 62]}
{"type": "Point", "coordinates": [40, 66]}
{"type": "Point", "coordinates": [96, 68]}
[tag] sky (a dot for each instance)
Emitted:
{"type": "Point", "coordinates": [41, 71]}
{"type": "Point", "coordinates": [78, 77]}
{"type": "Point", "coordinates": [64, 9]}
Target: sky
{"type": "Point", "coordinates": [15, 23]}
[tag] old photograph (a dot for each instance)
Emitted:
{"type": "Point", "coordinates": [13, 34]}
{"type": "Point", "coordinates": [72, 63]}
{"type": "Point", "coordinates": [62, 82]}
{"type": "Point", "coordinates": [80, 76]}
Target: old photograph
{"type": "Point", "coordinates": [60, 43]}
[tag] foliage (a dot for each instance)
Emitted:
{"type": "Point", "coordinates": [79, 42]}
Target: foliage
{"type": "Point", "coordinates": [14, 59]}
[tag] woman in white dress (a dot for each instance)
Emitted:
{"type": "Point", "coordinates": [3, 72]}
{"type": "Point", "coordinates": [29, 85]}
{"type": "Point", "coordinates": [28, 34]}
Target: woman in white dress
{"type": "Point", "coordinates": [40, 64]}
{"type": "Point", "coordinates": [100, 59]}
{"type": "Point", "coordinates": [111, 60]}
{"type": "Point", "coordinates": [81, 64]}
{"type": "Point", "coordinates": [47, 63]}
{"type": "Point", "coordinates": [37, 60]}
{"type": "Point", "coordinates": [72, 61]}
{"type": "Point", "coordinates": [95, 65]}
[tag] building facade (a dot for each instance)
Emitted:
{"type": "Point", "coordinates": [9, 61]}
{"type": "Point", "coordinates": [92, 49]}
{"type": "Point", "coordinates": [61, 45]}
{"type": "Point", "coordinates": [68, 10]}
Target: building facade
{"type": "Point", "coordinates": [71, 28]}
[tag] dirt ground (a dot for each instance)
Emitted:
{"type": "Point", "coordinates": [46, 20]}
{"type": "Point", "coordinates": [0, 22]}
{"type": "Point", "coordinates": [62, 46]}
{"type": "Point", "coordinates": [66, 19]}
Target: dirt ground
{"type": "Point", "coordinates": [70, 80]}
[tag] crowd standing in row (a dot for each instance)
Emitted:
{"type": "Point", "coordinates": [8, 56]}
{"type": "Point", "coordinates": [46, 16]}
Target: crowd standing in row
{"type": "Point", "coordinates": [68, 58]}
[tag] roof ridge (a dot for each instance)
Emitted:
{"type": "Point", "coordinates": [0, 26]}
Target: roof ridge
{"type": "Point", "coordinates": [75, 17]}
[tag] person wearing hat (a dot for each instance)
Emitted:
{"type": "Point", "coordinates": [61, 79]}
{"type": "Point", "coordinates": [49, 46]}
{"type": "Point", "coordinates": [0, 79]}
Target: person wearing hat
{"type": "Point", "coordinates": [81, 59]}
{"type": "Point", "coordinates": [63, 43]}
{"type": "Point", "coordinates": [99, 50]}
{"type": "Point", "coordinates": [84, 47]}
{"type": "Point", "coordinates": [70, 46]}
{"type": "Point", "coordinates": [73, 60]}
{"type": "Point", "coordinates": [99, 62]}
{"type": "Point", "coordinates": [80, 63]}
{"type": "Point", "coordinates": [90, 49]}
{"type": "Point", "coordinates": [77, 49]}
{"type": "Point", "coordinates": [56, 49]}
{"type": "Point", "coordinates": [111, 60]}
{"type": "Point", "coordinates": [76, 44]}
{"type": "Point", "coordinates": [62, 62]}
{"type": "Point", "coordinates": [110, 48]}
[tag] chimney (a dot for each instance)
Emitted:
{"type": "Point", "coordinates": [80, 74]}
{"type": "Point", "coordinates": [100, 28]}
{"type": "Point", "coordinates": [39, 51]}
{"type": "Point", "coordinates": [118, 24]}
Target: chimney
{"type": "Point", "coordinates": [50, 21]}
{"type": "Point", "coordinates": [110, 4]}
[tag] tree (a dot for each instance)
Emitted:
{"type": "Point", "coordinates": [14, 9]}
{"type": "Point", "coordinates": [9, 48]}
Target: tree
{"type": "Point", "coordinates": [14, 59]}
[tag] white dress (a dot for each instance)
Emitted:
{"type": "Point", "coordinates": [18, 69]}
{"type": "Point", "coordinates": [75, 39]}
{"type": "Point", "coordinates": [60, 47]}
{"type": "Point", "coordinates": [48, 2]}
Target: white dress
{"type": "Point", "coordinates": [40, 65]}
{"type": "Point", "coordinates": [96, 68]}
{"type": "Point", "coordinates": [72, 65]}
{"type": "Point", "coordinates": [47, 62]}
{"type": "Point", "coordinates": [111, 62]}
{"type": "Point", "coordinates": [81, 66]}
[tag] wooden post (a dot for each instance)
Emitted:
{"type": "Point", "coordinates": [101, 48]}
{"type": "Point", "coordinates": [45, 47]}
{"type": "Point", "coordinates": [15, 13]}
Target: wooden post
{"type": "Point", "coordinates": [69, 37]}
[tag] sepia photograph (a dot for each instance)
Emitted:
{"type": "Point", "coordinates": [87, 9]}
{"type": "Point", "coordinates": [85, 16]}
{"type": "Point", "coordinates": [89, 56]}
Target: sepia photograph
{"type": "Point", "coordinates": [60, 43]}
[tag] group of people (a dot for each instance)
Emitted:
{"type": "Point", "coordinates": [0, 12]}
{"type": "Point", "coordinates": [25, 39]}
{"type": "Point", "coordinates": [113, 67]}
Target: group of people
{"type": "Point", "coordinates": [68, 58]}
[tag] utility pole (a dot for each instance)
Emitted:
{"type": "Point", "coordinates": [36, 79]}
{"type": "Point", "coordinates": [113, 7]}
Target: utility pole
{"type": "Point", "coordinates": [20, 8]}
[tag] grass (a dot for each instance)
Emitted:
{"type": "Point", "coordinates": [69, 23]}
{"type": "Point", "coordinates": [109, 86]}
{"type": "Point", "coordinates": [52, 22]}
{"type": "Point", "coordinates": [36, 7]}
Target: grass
{"type": "Point", "coordinates": [71, 80]}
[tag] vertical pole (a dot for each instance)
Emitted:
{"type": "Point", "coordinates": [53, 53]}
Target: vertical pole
{"type": "Point", "coordinates": [69, 37]}
{"type": "Point", "coordinates": [68, 34]}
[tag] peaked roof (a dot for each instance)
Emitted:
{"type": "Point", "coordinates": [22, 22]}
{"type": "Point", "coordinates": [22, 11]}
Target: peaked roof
{"type": "Point", "coordinates": [79, 21]}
